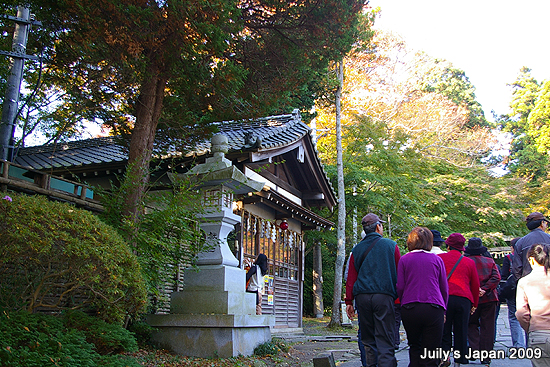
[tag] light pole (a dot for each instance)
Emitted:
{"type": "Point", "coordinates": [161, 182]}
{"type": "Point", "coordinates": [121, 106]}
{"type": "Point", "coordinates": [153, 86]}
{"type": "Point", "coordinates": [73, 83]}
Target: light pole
{"type": "Point", "coordinates": [11, 100]}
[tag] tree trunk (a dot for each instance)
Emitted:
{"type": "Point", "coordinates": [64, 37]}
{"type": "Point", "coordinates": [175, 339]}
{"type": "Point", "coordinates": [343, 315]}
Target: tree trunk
{"type": "Point", "coordinates": [341, 232]}
{"type": "Point", "coordinates": [148, 111]}
{"type": "Point", "coordinates": [318, 307]}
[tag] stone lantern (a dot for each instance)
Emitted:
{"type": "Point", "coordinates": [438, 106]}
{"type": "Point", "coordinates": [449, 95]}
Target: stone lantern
{"type": "Point", "coordinates": [218, 181]}
{"type": "Point", "coordinates": [213, 315]}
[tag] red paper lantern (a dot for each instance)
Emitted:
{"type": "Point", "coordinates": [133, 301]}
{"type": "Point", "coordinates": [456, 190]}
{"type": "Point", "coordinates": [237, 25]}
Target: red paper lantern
{"type": "Point", "coordinates": [283, 225]}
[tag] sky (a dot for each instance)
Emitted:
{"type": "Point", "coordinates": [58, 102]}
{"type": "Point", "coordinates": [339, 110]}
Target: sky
{"type": "Point", "coordinates": [490, 40]}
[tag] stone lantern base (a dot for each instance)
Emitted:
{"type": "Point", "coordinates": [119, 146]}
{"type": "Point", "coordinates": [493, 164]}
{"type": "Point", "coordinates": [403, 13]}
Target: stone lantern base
{"type": "Point", "coordinates": [212, 316]}
{"type": "Point", "coordinates": [211, 336]}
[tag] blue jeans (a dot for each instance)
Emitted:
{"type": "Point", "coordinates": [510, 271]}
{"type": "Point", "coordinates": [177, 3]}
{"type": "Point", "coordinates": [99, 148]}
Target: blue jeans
{"type": "Point", "coordinates": [518, 336]}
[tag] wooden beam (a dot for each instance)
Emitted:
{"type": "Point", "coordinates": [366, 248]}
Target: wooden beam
{"type": "Point", "coordinates": [313, 196]}
{"type": "Point", "coordinates": [49, 192]}
{"type": "Point", "coordinates": [276, 180]}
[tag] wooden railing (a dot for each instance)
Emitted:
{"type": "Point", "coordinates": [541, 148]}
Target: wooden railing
{"type": "Point", "coordinates": [23, 179]}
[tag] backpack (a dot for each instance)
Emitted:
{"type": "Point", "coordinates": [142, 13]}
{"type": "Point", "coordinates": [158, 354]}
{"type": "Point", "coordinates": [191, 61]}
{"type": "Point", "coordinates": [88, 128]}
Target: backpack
{"type": "Point", "coordinates": [507, 289]}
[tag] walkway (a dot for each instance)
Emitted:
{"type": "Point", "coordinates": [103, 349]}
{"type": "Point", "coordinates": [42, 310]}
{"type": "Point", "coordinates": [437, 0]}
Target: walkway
{"type": "Point", "coordinates": [503, 342]}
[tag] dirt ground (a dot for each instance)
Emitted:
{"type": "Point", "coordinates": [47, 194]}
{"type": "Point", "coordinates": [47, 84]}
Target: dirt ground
{"type": "Point", "coordinates": [303, 353]}
{"type": "Point", "coordinates": [317, 341]}
{"type": "Point", "coordinates": [298, 350]}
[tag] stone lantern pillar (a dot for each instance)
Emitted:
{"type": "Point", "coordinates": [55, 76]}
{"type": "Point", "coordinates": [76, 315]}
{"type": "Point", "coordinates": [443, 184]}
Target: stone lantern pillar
{"type": "Point", "coordinates": [213, 315]}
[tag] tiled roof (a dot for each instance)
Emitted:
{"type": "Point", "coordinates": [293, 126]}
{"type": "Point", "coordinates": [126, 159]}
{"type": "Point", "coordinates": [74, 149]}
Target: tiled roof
{"type": "Point", "coordinates": [256, 135]}
{"type": "Point", "coordinates": [252, 135]}
{"type": "Point", "coordinates": [76, 153]}
{"type": "Point", "coordinates": [273, 132]}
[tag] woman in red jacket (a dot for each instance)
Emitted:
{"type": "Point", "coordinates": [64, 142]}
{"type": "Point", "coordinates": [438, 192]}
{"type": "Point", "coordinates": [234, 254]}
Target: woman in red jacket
{"type": "Point", "coordinates": [463, 298]}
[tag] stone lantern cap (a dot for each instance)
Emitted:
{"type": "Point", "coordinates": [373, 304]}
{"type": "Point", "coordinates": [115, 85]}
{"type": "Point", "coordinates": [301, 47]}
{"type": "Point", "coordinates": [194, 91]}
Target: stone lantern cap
{"type": "Point", "coordinates": [218, 170]}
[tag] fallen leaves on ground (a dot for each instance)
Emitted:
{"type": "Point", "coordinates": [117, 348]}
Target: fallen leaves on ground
{"type": "Point", "coordinates": [163, 358]}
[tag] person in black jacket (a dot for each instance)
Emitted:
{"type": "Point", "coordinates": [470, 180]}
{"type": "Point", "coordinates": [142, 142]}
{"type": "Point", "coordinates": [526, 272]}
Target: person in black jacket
{"type": "Point", "coordinates": [537, 223]}
{"type": "Point", "coordinates": [256, 277]}
{"type": "Point", "coordinates": [518, 337]}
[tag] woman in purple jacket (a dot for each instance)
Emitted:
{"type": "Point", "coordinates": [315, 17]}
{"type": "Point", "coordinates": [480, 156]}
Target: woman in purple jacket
{"type": "Point", "coordinates": [423, 290]}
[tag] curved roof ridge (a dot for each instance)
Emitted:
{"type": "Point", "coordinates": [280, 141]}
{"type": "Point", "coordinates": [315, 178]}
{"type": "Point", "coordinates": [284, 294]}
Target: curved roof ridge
{"type": "Point", "coordinates": [76, 144]}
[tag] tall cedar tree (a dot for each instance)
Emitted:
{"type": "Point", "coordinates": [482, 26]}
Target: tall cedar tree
{"type": "Point", "coordinates": [173, 66]}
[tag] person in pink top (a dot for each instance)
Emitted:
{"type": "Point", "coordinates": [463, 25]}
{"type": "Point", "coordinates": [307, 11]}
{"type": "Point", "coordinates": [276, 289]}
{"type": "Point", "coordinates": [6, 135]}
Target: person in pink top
{"type": "Point", "coordinates": [463, 298]}
{"type": "Point", "coordinates": [533, 304]}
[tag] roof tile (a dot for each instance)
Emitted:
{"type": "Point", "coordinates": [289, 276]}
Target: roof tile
{"type": "Point", "coordinates": [273, 132]}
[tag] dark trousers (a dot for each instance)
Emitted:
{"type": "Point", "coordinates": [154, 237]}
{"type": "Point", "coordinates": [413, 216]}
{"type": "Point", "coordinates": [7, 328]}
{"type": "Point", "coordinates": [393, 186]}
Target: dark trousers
{"type": "Point", "coordinates": [377, 323]}
{"type": "Point", "coordinates": [360, 343]}
{"type": "Point", "coordinates": [458, 315]}
{"type": "Point", "coordinates": [397, 311]}
{"type": "Point", "coordinates": [481, 328]}
{"type": "Point", "coordinates": [423, 323]}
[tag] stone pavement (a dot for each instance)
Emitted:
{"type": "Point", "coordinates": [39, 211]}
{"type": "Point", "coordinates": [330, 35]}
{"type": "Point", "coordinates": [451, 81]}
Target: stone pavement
{"type": "Point", "coordinates": [503, 342]}
{"type": "Point", "coordinates": [346, 352]}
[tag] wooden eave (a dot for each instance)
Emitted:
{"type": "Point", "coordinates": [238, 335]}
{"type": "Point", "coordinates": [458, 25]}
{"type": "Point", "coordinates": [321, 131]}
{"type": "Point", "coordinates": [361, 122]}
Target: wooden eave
{"type": "Point", "coordinates": [285, 208]}
{"type": "Point", "coordinates": [314, 187]}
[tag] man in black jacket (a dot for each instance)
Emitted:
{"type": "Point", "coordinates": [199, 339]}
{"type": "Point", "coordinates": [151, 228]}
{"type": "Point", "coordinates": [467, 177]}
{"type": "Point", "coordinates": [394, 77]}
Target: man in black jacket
{"type": "Point", "coordinates": [537, 223]}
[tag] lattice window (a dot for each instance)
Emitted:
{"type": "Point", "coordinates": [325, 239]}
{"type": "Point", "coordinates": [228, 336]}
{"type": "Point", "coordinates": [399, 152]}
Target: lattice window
{"type": "Point", "coordinates": [282, 247]}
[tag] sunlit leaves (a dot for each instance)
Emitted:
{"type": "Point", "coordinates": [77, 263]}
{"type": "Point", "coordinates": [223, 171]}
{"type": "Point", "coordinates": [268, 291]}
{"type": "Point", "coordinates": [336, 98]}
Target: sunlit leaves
{"type": "Point", "coordinates": [414, 146]}
{"type": "Point", "coordinates": [539, 119]}
{"type": "Point", "coordinates": [528, 122]}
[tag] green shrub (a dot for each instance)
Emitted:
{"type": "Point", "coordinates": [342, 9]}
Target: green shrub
{"type": "Point", "coordinates": [142, 331]}
{"type": "Point", "coordinates": [107, 338]}
{"type": "Point", "coordinates": [267, 349]}
{"type": "Point", "coordinates": [54, 256]}
{"type": "Point", "coordinates": [38, 340]}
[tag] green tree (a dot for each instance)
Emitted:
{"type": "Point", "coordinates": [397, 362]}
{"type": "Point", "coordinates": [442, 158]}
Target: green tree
{"type": "Point", "coordinates": [442, 77]}
{"type": "Point", "coordinates": [473, 202]}
{"type": "Point", "coordinates": [524, 95]}
{"type": "Point", "coordinates": [380, 164]}
{"type": "Point", "coordinates": [138, 65]}
{"type": "Point", "coordinates": [528, 124]}
{"type": "Point", "coordinates": [539, 120]}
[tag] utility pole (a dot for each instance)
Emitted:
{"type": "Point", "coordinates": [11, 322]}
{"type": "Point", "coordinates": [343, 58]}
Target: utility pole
{"type": "Point", "coordinates": [11, 100]}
